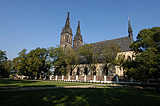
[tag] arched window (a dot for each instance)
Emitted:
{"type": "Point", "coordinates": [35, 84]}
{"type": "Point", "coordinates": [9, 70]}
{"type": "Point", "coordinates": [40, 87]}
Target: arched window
{"type": "Point", "coordinates": [111, 70]}
{"type": "Point", "coordinates": [78, 69]}
{"type": "Point", "coordinates": [94, 70]}
{"type": "Point", "coordinates": [129, 59]}
{"type": "Point", "coordinates": [86, 71]}
{"type": "Point", "coordinates": [105, 70]}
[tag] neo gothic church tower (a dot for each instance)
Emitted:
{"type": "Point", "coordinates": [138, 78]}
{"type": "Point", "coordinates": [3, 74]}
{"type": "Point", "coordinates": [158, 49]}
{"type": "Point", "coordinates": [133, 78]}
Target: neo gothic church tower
{"type": "Point", "coordinates": [66, 34]}
{"type": "Point", "coordinates": [78, 42]}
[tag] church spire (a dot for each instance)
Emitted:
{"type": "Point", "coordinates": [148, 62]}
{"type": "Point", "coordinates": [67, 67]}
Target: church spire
{"type": "Point", "coordinates": [78, 29]}
{"type": "Point", "coordinates": [66, 34]}
{"type": "Point", "coordinates": [66, 28]}
{"type": "Point", "coordinates": [67, 21]}
{"type": "Point", "coordinates": [130, 34]}
{"type": "Point", "coordinates": [77, 42]}
{"type": "Point", "coordinates": [129, 26]}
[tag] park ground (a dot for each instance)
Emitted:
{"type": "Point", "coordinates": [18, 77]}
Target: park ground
{"type": "Point", "coordinates": [55, 93]}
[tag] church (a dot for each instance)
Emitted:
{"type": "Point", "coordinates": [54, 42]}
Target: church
{"type": "Point", "coordinates": [67, 36]}
{"type": "Point", "coordinates": [123, 43]}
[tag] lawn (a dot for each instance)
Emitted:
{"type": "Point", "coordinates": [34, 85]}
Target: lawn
{"type": "Point", "coordinates": [29, 83]}
{"type": "Point", "coordinates": [113, 96]}
{"type": "Point", "coordinates": [81, 97]}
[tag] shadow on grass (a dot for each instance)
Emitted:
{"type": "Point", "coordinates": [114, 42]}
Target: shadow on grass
{"type": "Point", "coordinates": [81, 97]}
{"type": "Point", "coordinates": [22, 83]}
{"type": "Point", "coordinates": [10, 81]}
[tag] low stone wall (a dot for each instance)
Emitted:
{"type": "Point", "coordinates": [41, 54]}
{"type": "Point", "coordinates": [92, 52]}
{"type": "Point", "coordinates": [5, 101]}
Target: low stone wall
{"type": "Point", "coordinates": [88, 78]}
{"type": "Point", "coordinates": [99, 79]}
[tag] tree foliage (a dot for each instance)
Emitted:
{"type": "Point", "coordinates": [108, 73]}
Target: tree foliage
{"type": "Point", "coordinates": [32, 64]}
{"type": "Point", "coordinates": [87, 52]}
{"type": "Point", "coordinates": [57, 55]}
{"type": "Point", "coordinates": [36, 61]}
{"type": "Point", "coordinates": [110, 53]}
{"type": "Point", "coordinates": [3, 56]}
{"type": "Point", "coordinates": [20, 63]}
{"type": "Point", "coordinates": [5, 65]}
{"type": "Point", "coordinates": [147, 62]}
{"type": "Point", "coordinates": [64, 60]}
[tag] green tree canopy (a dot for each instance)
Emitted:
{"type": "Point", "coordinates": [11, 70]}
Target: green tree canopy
{"type": "Point", "coordinates": [63, 59]}
{"type": "Point", "coordinates": [3, 56]}
{"type": "Point", "coordinates": [87, 52]}
{"type": "Point", "coordinates": [110, 53]}
{"type": "Point", "coordinates": [20, 63]}
{"type": "Point", "coordinates": [58, 60]}
{"type": "Point", "coordinates": [5, 65]}
{"type": "Point", "coordinates": [36, 61]}
{"type": "Point", "coordinates": [147, 62]}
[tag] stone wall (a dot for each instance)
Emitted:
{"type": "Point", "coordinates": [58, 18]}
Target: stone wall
{"type": "Point", "coordinates": [94, 69]}
{"type": "Point", "coordinates": [100, 69]}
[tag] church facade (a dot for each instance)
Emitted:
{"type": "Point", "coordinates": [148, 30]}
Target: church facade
{"type": "Point", "coordinates": [99, 68]}
{"type": "Point", "coordinates": [67, 36]}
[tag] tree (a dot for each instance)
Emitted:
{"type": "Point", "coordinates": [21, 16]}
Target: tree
{"type": "Point", "coordinates": [86, 56]}
{"type": "Point", "coordinates": [4, 65]}
{"type": "Point", "coordinates": [105, 54]}
{"type": "Point", "coordinates": [71, 59]}
{"type": "Point", "coordinates": [110, 53]}
{"type": "Point", "coordinates": [20, 63]}
{"type": "Point", "coordinates": [58, 60]}
{"type": "Point", "coordinates": [8, 67]}
{"type": "Point", "coordinates": [147, 62]}
{"type": "Point", "coordinates": [36, 62]}
{"type": "Point", "coordinates": [63, 59]}
{"type": "Point", "coordinates": [87, 52]}
{"type": "Point", "coordinates": [3, 56]}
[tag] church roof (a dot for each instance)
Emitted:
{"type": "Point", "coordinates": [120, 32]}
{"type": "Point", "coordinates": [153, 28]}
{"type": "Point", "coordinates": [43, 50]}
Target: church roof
{"type": "Point", "coordinates": [123, 43]}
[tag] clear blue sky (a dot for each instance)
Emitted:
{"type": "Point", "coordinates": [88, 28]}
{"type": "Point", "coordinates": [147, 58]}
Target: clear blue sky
{"type": "Point", "coordinates": [38, 23]}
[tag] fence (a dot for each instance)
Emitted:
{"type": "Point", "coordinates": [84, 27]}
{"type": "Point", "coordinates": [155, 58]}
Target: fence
{"type": "Point", "coordinates": [92, 78]}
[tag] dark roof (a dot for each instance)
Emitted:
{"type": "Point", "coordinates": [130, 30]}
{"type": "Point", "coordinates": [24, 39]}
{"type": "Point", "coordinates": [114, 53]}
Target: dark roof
{"type": "Point", "coordinates": [123, 43]}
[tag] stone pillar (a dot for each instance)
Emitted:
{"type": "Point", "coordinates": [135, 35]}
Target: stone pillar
{"type": "Point", "coordinates": [69, 78]}
{"type": "Point", "coordinates": [50, 77]}
{"type": "Point", "coordinates": [94, 78]}
{"type": "Point", "coordinates": [62, 77]}
{"type": "Point", "coordinates": [85, 78]}
{"type": "Point", "coordinates": [131, 80]}
{"type": "Point", "coordinates": [40, 77]}
{"type": "Point", "coordinates": [105, 78]}
{"type": "Point", "coordinates": [76, 77]}
{"type": "Point", "coordinates": [117, 79]}
{"type": "Point", "coordinates": [56, 77]}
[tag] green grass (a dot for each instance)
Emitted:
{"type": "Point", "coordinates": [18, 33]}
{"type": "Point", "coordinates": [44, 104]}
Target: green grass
{"type": "Point", "coordinates": [81, 97]}
{"type": "Point", "coordinates": [113, 96]}
{"type": "Point", "coordinates": [29, 83]}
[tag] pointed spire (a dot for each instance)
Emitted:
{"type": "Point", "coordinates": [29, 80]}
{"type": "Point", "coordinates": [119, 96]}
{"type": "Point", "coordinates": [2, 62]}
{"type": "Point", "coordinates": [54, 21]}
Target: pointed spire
{"type": "Point", "coordinates": [129, 26]}
{"type": "Point", "coordinates": [77, 42]}
{"type": "Point", "coordinates": [66, 28]}
{"type": "Point", "coordinates": [78, 29]}
{"type": "Point", "coordinates": [130, 34]}
{"type": "Point", "coordinates": [67, 21]}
